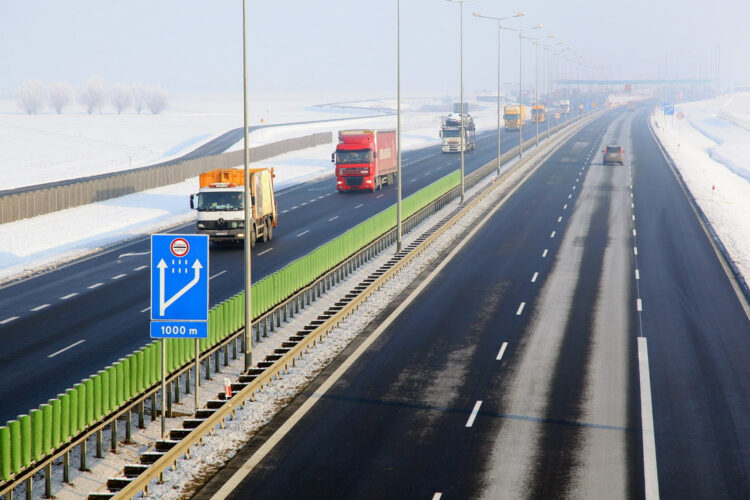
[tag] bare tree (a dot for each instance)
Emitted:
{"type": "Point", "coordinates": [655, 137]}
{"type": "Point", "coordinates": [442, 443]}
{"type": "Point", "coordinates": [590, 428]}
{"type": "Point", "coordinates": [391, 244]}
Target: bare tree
{"type": "Point", "coordinates": [121, 97]}
{"type": "Point", "coordinates": [31, 96]}
{"type": "Point", "coordinates": [156, 99]}
{"type": "Point", "coordinates": [60, 95]}
{"type": "Point", "coordinates": [93, 93]}
{"type": "Point", "coordinates": [139, 97]}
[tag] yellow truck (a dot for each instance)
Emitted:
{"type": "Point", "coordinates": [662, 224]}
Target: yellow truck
{"type": "Point", "coordinates": [221, 209]}
{"type": "Point", "coordinates": [538, 113]}
{"type": "Point", "coordinates": [514, 116]}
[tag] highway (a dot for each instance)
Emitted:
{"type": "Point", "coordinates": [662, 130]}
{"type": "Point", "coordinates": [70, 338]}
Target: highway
{"type": "Point", "coordinates": [521, 370]}
{"type": "Point", "coordinates": [61, 326]}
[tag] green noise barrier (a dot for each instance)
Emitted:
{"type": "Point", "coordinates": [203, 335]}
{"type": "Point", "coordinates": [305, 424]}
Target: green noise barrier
{"type": "Point", "coordinates": [30, 438]}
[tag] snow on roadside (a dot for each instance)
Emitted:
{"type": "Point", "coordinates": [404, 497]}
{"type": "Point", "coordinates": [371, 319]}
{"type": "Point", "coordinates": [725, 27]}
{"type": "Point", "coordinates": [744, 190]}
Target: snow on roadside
{"type": "Point", "coordinates": [713, 154]}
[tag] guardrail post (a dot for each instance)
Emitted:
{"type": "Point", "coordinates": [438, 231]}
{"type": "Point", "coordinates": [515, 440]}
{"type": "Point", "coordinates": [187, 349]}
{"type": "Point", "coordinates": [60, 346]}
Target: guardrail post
{"type": "Point", "coordinates": [169, 402]}
{"type": "Point", "coordinates": [153, 406]}
{"type": "Point", "coordinates": [128, 425]}
{"type": "Point", "coordinates": [66, 467]}
{"type": "Point", "coordinates": [29, 487]}
{"type": "Point", "coordinates": [141, 416]}
{"type": "Point", "coordinates": [217, 361]}
{"type": "Point", "coordinates": [99, 450]}
{"type": "Point", "coordinates": [83, 467]}
{"type": "Point", "coordinates": [176, 384]}
{"type": "Point", "coordinates": [48, 480]}
{"type": "Point", "coordinates": [113, 444]}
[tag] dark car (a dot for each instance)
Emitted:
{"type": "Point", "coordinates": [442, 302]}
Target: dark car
{"type": "Point", "coordinates": [613, 154]}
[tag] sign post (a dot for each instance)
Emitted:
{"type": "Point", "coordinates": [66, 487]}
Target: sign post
{"type": "Point", "coordinates": [179, 297]}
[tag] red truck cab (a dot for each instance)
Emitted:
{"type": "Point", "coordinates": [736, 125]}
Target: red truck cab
{"type": "Point", "coordinates": [365, 159]}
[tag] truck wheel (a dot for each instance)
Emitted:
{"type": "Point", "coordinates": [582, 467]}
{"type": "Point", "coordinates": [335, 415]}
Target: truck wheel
{"type": "Point", "coordinates": [252, 238]}
{"type": "Point", "coordinates": [269, 230]}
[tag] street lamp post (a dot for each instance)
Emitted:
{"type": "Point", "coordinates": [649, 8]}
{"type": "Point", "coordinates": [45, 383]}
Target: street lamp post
{"type": "Point", "coordinates": [499, 114]}
{"type": "Point", "coordinates": [399, 228]}
{"type": "Point", "coordinates": [247, 201]}
{"type": "Point", "coordinates": [463, 133]}
{"type": "Point", "coordinates": [520, 84]}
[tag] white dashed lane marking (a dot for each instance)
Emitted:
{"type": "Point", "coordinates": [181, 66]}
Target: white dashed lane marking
{"type": "Point", "coordinates": [265, 251]}
{"type": "Point", "coordinates": [66, 348]}
{"type": "Point", "coordinates": [520, 308]}
{"type": "Point", "coordinates": [473, 415]}
{"type": "Point", "coordinates": [303, 233]}
{"type": "Point", "coordinates": [118, 276]}
{"type": "Point", "coordinates": [8, 320]}
{"type": "Point", "coordinates": [533, 278]}
{"type": "Point", "coordinates": [39, 308]}
{"type": "Point", "coordinates": [66, 297]}
{"type": "Point", "coordinates": [502, 351]}
{"type": "Point", "coordinates": [333, 218]}
{"type": "Point", "coordinates": [217, 274]}
{"type": "Point", "coordinates": [140, 268]}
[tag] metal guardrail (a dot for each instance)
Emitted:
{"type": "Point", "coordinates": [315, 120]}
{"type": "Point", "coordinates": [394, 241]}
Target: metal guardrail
{"type": "Point", "coordinates": [265, 323]}
{"type": "Point", "coordinates": [76, 192]}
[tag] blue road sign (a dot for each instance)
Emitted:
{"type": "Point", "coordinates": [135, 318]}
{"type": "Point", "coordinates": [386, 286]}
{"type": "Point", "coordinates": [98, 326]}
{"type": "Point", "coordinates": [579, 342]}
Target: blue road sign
{"type": "Point", "coordinates": [179, 283]}
{"type": "Point", "coordinates": [668, 108]}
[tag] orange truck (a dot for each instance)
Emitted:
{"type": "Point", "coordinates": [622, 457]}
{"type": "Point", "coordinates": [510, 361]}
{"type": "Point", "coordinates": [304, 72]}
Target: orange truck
{"type": "Point", "coordinates": [221, 209]}
{"type": "Point", "coordinates": [538, 113]}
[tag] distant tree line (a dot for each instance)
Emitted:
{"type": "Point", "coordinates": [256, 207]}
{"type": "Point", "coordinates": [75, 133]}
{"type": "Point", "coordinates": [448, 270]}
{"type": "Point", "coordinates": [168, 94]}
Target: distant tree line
{"type": "Point", "coordinates": [33, 95]}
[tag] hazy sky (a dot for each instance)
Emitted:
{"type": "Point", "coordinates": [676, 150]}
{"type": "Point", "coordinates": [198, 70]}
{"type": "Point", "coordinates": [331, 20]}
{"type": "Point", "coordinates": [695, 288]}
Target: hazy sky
{"type": "Point", "coordinates": [348, 46]}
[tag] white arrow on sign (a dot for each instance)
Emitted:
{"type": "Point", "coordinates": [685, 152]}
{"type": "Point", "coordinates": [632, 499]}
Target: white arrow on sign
{"type": "Point", "coordinates": [162, 266]}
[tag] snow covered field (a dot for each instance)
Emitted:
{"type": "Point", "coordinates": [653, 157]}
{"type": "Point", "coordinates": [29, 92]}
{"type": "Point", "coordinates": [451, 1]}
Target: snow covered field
{"type": "Point", "coordinates": [46, 241]}
{"type": "Point", "coordinates": [711, 147]}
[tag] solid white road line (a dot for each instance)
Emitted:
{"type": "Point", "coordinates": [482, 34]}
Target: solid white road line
{"type": "Point", "coordinates": [69, 347]}
{"type": "Point", "coordinates": [8, 320]}
{"type": "Point", "coordinates": [118, 276]}
{"type": "Point", "coordinates": [140, 268]}
{"type": "Point", "coordinates": [533, 278]}
{"type": "Point", "coordinates": [502, 351]}
{"type": "Point", "coordinates": [639, 305]}
{"type": "Point", "coordinates": [360, 205]}
{"type": "Point", "coordinates": [544, 254]}
{"type": "Point", "coordinates": [303, 233]}
{"type": "Point", "coordinates": [66, 297]}
{"type": "Point", "coordinates": [473, 415]}
{"type": "Point", "coordinates": [647, 423]}
{"type": "Point", "coordinates": [264, 251]}
{"type": "Point", "coordinates": [95, 285]}
{"type": "Point", "coordinates": [39, 308]}
{"type": "Point", "coordinates": [333, 219]}
{"type": "Point", "coordinates": [217, 274]}
{"type": "Point", "coordinates": [520, 308]}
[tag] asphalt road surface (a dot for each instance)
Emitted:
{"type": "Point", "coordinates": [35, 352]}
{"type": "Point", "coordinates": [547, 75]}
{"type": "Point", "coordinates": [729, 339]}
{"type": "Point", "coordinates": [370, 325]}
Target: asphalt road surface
{"type": "Point", "coordinates": [522, 370]}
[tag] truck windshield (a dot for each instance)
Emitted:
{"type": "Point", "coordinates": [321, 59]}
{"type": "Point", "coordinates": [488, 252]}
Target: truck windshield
{"type": "Point", "coordinates": [537, 111]}
{"type": "Point", "coordinates": [223, 200]}
{"type": "Point", "coordinates": [512, 118]}
{"type": "Point", "coordinates": [452, 132]}
{"type": "Point", "coordinates": [353, 157]}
